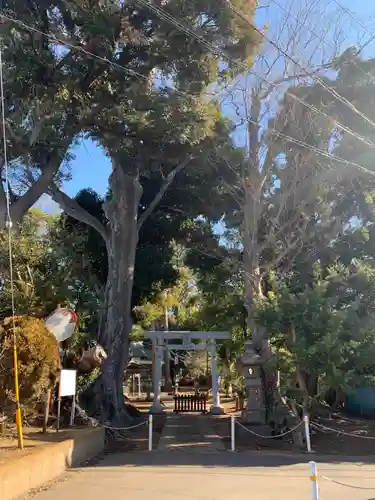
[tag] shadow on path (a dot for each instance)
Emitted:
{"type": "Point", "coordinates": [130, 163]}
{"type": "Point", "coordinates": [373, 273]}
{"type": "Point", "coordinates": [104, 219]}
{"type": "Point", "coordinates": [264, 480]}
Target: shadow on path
{"type": "Point", "coordinates": [189, 433]}
{"type": "Point", "coordinates": [229, 459]}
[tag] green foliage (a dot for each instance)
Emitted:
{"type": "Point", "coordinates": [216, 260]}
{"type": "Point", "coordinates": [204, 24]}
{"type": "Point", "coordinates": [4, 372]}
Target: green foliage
{"type": "Point", "coordinates": [198, 364]}
{"type": "Point", "coordinates": [84, 382]}
{"type": "Point", "coordinates": [57, 92]}
{"type": "Point", "coordinates": [228, 352]}
{"type": "Point", "coordinates": [220, 284]}
{"type": "Point", "coordinates": [40, 279]}
{"type": "Point", "coordinates": [326, 330]}
{"type": "Point", "coordinates": [174, 221]}
{"type": "Point", "coordinates": [38, 362]}
{"type": "Point", "coordinates": [177, 302]}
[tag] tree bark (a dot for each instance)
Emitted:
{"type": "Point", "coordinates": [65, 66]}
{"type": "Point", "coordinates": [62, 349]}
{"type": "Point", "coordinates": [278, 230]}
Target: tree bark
{"type": "Point", "coordinates": [121, 212]}
{"type": "Point", "coordinates": [72, 208]}
{"type": "Point", "coordinates": [253, 284]}
{"type": "Point", "coordinates": [21, 205]}
{"type": "Point", "coordinates": [300, 378]}
{"type": "Point", "coordinates": [253, 179]}
{"type": "Point", "coordinates": [121, 238]}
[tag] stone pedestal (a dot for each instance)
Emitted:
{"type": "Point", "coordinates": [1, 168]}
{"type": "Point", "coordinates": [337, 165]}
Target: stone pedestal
{"type": "Point", "coordinates": [255, 412]}
{"type": "Point", "coordinates": [250, 362]}
{"type": "Point", "coordinates": [156, 408]}
{"type": "Point", "coordinates": [217, 410]}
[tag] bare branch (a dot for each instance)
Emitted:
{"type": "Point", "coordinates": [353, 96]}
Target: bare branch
{"type": "Point", "coordinates": [39, 187]}
{"type": "Point", "coordinates": [294, 77]}
{"type": "Point", "coordinates": [33, 135]}
{"type": "Point", "coordinates": [36, 130]}
{"type": "Point", "coordinates": [168, 181]}
{"type": "Point", "coordinates": [75, 210]}
{"type": "Point", "coordinates": [288, 248]}
{"type": "Point", "coordinates": [16, 138]}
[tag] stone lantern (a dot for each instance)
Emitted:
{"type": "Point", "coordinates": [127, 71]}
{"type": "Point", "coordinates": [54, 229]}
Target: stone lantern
{"type": "Point", "coordinates": [250, 363]}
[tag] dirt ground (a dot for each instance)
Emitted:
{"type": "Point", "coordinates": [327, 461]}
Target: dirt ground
{"type": "Point", "coordinates": [137, 439]}
{"type": "Point", "coordinates": [33, 438]}
{"type": "Point", "coordinates": [117, 441]}
{"type": "Point", "coordinates": [360, 443]}
{"type": "Point", "coordinates": [324, 442]}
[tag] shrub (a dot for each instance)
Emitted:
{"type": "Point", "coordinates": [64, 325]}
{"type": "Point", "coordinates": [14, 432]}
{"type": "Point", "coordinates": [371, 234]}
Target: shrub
{"type": "Point", "coordinates": [38, 363]}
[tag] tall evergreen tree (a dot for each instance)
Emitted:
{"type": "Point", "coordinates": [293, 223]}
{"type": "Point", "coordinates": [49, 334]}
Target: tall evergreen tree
{"type": "Point", "coordinates": [141, 93]}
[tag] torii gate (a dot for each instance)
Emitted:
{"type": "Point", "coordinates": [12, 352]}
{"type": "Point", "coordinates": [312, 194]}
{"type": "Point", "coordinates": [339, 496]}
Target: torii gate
{"type": "Point", "coordinates": [160, 341]}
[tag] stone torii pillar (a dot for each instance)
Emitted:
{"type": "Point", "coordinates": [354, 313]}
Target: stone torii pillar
{"type": "Point", "coordinates": [216, 409]}
{"type": "Point", "coordinates": [158, 348]}
{"type": "Point", "coordinates": [208, 341]}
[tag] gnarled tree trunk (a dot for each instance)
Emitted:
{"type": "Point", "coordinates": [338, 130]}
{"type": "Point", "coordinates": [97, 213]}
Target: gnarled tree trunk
{"type": "Point", "coordinates": [252, 278]}
{"type": "Point", "coordinates": [121, 236]}
{"type": "Point", "coordinates": [121, 211]}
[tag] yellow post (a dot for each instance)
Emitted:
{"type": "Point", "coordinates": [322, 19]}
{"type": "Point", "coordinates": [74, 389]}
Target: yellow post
{"type": "Point", "coordinates": [17, 391]}
{"type": "Point", "coordinates": [9, 226]}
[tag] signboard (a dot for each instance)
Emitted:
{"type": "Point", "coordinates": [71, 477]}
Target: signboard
{"type": "Point", "coordinates": [67, 383]}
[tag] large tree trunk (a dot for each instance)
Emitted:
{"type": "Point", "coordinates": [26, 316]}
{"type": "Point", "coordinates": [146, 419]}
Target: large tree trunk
{"type": "Point", "coordinates": [253, 284]}
{"type": "Point", "coordinates": [300, 374]}
{"type": "Point", "coordinates": [121, 237]}
{"type": "Point", "coordinates": [252, 185]}
{"type": "Point", "coordinates": [115, 329]}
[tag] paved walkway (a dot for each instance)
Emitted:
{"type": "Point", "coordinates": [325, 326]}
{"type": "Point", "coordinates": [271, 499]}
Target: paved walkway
{"type": "Point", "coordinates": [204, 470]}
{"type": "Point", "coordinates": [189, 433]}
{"type": "Point", "coordinates": [213, 476]}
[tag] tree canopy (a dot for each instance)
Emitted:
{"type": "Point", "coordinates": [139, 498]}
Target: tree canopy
{"type": "Point", "coordinates": [115, 71]}
{"type": "Point", "coordinates": [294, 200]}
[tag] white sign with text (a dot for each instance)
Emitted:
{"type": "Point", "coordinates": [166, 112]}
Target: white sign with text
{"type": "Point", "coordinates": [68, 380]}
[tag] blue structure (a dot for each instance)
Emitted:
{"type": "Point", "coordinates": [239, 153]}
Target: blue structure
{"type": "Point", "coordinates": [361, 402]}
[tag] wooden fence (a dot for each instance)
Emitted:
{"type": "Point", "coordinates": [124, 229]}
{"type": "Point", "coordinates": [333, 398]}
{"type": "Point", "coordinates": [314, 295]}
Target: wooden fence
{"type": "Point", "coordinates": [190, 403]}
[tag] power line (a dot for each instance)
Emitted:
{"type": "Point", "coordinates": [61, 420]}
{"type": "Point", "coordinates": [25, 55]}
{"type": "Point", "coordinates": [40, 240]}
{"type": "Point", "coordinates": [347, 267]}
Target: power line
{"type": "Point", "coordinates": [166, 16]}
{"type": "Point", "coordinates": [218, 51]}
{"type": "Point", "coordinates": [315, 149]}
{"type": "Point", "coordinates": [114, 64]}
{"type": "Point", "coordinates": [320, 38]}
{"type": "Point", "coordinates": [54, 38]}
{"type": "Point", "coordinates": [332, 91]}
{"type": "Point", "coordinates": [358, 21]}
{"type": "Point", "coordinates": [284, 136]}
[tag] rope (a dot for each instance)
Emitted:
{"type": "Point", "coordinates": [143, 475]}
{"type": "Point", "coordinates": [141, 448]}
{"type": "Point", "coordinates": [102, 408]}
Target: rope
{"type": "Point", "coordinates": [323, 428]}
{"type": "Point", "coordinates": [96, 422]}
{"type": "Point", "coordinates": [347, 485]}
{"type": "Point", "coordinates": [269, 437]}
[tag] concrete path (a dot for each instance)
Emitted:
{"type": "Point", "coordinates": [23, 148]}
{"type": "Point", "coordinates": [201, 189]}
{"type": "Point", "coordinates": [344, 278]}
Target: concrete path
{"type": "Point", "coordinates": [213, 476]}
{"type": "Point", "coordinates": [189, 433]}
{"type": "Point", "coordinates": [204, 470]}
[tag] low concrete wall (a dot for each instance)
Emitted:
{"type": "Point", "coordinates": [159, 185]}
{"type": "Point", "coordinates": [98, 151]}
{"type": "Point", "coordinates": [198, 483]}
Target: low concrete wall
{"type": "Point", "coordinates": [20, 474]}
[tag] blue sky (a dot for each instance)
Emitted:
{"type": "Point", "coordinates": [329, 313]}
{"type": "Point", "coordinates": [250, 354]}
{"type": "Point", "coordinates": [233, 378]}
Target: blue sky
{"type": "Point", "coordinates": [91, 168]}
